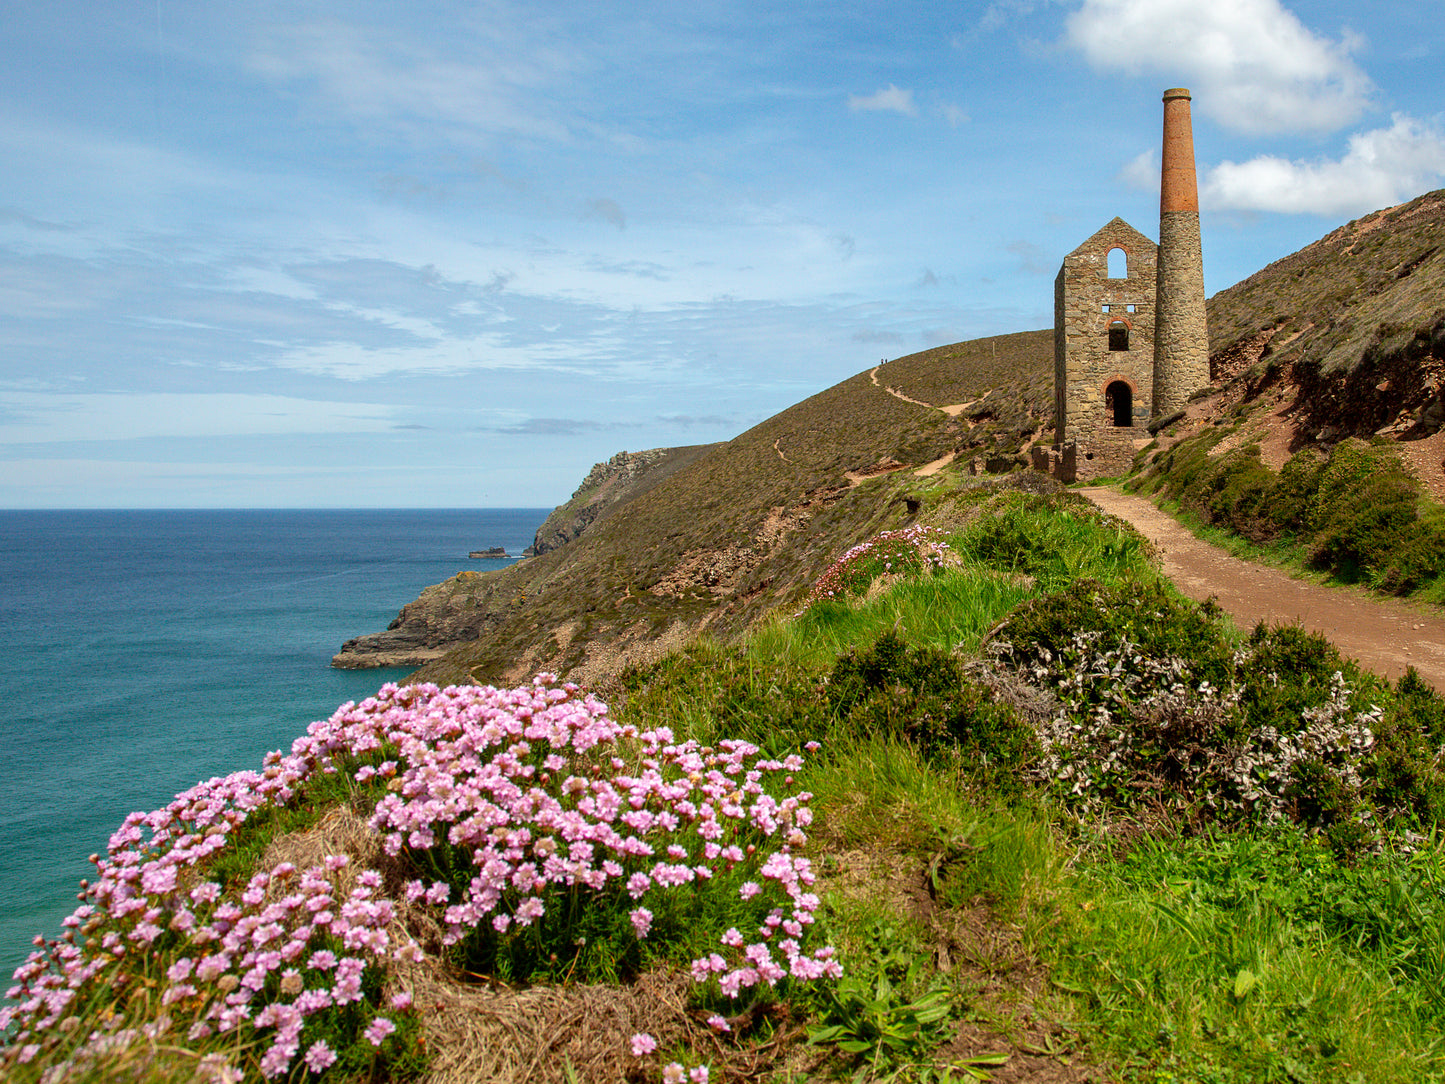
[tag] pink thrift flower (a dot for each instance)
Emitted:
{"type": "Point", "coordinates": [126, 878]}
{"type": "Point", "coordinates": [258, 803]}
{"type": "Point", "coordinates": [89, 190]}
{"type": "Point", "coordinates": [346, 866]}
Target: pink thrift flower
{"type": "Point", "coordinates": [643, 1044]}
{"type": "Point", "coordinates": [641, 921]}
{"type": "Point", "coordinates": [718, 1023]}
{"type": "Point", "coordinates": [698, 1075]}
{"type": "Point", "coordinates": [674, 1073]}
{"type": "Point", "coordinates": [319, 1056]}
{"type": "Point", "coordinates": [749, 890]}
{"type": "Point", "coordinates": [377, 1031]}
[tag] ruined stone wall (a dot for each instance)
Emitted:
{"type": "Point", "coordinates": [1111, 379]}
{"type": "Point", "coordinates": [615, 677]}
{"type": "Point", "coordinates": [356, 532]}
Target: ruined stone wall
{"type": "Point", "coordinates": [1109, 454]}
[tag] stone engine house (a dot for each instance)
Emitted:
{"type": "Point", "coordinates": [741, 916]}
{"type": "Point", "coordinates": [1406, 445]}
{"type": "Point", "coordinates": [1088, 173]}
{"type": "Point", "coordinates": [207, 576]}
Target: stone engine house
{"type": "Point", "coordinates": [1104, 350]}
{"type": "Point", "coordinates": [1131, 341]}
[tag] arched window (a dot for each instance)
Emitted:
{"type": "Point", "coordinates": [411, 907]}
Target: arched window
{"type": "Point", "coordinates": [1118, 263]}
{"type": "Point", "coordinates": [1118, 335]}
{"type": "Point", "coordinates": [1119, 401]}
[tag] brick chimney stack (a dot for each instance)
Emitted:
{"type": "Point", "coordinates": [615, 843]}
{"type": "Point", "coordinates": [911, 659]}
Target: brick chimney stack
{"type": "Point", "coordinates": [1181, 333]}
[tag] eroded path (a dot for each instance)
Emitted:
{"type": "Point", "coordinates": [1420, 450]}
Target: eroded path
{"type": "Point", "coordinates": [1385, 635]}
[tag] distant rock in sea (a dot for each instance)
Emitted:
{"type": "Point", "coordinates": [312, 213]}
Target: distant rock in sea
{"type": "Point", "coordinates": [493, 551]}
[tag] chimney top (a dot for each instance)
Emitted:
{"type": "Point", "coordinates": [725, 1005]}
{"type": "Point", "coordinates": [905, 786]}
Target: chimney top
{"type": "Point", "coordinates": [1178, 189]}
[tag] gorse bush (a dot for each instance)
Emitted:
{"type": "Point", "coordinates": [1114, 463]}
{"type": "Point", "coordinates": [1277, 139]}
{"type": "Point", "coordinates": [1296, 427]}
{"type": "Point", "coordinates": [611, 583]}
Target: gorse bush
{"type": "Point", "coordinates": [532, 829]}
{"type": "Point", "coordinates": [920, 693]}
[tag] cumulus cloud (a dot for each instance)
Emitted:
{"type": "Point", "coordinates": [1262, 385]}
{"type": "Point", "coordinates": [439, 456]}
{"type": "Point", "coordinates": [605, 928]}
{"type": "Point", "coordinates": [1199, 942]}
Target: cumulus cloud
{"type": "Point", "coordinates": [1380, 168]}
{"type": "Point", "coordinates": [889, 99]}
{"type": "Point", "coordinates": [1142, 173]}
{"type": "Point", "coordinates": [1253, 66]}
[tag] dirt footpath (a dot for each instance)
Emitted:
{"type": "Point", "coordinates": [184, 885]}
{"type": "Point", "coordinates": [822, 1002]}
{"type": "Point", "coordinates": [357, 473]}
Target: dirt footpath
{"type": "Point", "coordinates": [1385, 635]}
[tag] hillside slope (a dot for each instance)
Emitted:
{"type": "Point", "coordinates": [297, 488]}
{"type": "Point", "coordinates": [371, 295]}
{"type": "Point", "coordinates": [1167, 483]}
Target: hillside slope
{"type": "Point", "coordinates": [1343, 338]}
{"type": "Point", "coordinates": [745, 526]}
{"type": "Point", "coordinates": [1346, 336]}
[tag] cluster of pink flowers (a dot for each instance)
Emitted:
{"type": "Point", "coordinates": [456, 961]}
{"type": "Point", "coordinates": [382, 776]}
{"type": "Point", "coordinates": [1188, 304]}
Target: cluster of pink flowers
{"type": "Point", "coordinates": [909, 549]}
{"type": "Point", "coordinates": [537, 786]}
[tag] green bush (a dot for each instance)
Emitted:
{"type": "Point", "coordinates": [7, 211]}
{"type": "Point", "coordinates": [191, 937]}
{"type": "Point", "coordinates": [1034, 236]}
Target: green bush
{"type": "Point", "coordinates": [920, 693]}
{"type": "Point", "coordinates": [1292, 501]}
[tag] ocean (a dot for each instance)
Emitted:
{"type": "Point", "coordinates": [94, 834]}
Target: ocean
{"type": "Point", "coordinates": [150, 650]}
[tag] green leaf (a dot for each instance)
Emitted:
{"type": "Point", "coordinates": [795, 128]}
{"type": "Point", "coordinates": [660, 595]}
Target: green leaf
{"type": "Point", "coordinates": [1244, 982]}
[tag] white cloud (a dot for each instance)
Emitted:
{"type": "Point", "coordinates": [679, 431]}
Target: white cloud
{"type": "Point", "coordinates": [1253, 66]}
{"type": "Point", "coordinates": [889, 99]}
{"type": "Point", "coordinates": [1142, 173]}
{"type": "Point", "coordinates": [1381, 167]}
{"type": "Point", "coordinates": [954, 114]}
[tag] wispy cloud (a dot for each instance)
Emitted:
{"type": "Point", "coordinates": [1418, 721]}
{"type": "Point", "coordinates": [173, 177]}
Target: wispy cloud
{"type": "Point", "coordinates": [890, 99]}
{"type": "Point", "coordinates": [560, 427]}
{"type": "Point", "coordinates": [475, 82]}
{"type": "Point", "coordinates": [1254, 67]}
{"type": "Point", "coordinates": [67, 418]}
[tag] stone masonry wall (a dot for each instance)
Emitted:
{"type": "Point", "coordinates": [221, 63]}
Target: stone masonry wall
{"type": "Point", "coordinates": [1086, 302]}
{"type": "Point", "coordinates": [1181, 358]}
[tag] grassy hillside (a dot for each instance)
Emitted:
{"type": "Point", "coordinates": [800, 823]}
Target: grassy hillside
{"type": "Point", "coordinates": [995, 804]}
{"type": "Point", "coordinates": [746, 527]}
{"type": "Point", "coordinates": [1323, 443]}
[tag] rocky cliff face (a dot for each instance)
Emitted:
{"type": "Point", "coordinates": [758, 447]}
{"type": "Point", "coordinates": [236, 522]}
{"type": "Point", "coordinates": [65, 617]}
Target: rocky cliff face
{"type": "Point", "coordinates": [471, 603]}
{"type": "Point", "coordinates": [445, 614]}
{"type": "Point", "coordinates": [607, 485]}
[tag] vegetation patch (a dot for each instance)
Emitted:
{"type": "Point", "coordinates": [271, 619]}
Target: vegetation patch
{"type": "Point", "coordinates": [1359, 514]}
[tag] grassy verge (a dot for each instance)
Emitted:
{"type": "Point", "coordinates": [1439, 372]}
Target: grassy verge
{"type": "Point", "coordinates": [1061, 821]}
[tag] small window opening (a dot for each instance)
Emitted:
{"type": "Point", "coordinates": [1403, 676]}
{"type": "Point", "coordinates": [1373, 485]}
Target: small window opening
{"type": "Point", "coordinates": [1106, 308]}
{"type": "Point", "coordinates": [1118, 263]}
{"type": "Point", "coordinates": [1119, 401]}
{"type": "Point", "coordinates": [1128, 308]}
{"type": "Point", "coordinates": [1118, 335]}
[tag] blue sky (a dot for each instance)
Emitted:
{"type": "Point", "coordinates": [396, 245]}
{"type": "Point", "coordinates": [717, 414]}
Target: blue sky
{"type": "Point", "coordinates": [431, 254]}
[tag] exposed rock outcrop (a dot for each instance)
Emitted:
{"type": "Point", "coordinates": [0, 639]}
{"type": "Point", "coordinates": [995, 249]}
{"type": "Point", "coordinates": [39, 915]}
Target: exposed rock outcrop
{"type": "Point", "coordinates": [427, 628]}
{"type": "Point", "coordinates": [471, 603]}
{"type": "Point", "coordinates": [608, 485]}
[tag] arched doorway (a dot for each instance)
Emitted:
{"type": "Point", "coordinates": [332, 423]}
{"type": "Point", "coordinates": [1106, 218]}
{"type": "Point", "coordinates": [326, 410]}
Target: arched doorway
{"type": "Point", "coordinates": [1119, 401]}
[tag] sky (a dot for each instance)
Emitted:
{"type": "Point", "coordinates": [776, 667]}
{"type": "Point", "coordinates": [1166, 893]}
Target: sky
{"type": "Point", "coordinates": [433, 254]}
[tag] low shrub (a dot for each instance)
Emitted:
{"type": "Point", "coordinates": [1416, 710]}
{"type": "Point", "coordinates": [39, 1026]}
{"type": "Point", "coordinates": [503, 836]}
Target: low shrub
{"type": "Point", "coordinates": [920, 693]}
{"type": "Point", "coordinates": [1152, 707]}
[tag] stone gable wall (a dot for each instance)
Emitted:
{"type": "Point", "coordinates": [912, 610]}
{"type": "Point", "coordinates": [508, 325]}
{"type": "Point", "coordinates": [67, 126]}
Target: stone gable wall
{"type": "Point", "coordinates": [1084, 365]}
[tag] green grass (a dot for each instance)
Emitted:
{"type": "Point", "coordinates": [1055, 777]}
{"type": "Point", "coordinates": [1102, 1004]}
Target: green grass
{"type": "Point", "coordinates": [1256, 952]}
{"type": "Point", "coordinates": [1258, 957]}
{"type": "Point", "coordinates": [1176, 947]}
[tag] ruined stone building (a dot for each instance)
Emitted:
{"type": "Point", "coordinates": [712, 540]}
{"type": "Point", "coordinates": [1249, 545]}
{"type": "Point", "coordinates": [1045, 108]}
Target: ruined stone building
{"type": "Point", "coordinates": [1130, 337]}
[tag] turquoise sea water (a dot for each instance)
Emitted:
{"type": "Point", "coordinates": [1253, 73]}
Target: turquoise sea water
{"type": "Point", "coordinates": [146, 651]}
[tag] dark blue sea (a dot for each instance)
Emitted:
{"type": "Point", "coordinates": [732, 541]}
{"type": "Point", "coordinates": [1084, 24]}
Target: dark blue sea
{"type": "Point", "coordinates": [148, 650]}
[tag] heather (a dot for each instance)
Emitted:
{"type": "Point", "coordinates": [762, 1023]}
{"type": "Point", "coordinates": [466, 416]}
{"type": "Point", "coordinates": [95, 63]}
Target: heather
{"type": "Point", "coordinates": [996, 801]}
